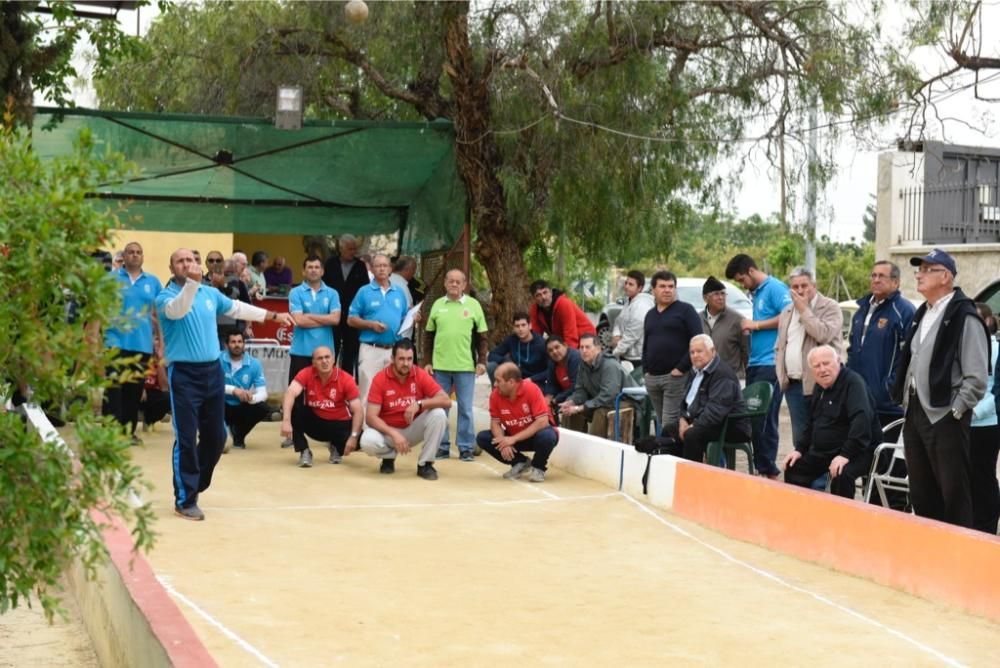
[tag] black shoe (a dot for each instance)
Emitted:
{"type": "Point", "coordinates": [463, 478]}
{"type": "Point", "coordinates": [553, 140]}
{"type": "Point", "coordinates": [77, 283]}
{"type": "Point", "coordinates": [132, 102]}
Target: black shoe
{"type": "Point", "coordinates": [240, 446]}
{"type": "Point", "coordinates": [427, 471]}
{"type": "Point", "coordinates": [388, 466]}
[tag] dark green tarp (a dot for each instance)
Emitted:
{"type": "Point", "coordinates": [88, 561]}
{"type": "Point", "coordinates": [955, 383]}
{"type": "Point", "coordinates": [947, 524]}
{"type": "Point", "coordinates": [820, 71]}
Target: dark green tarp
{"type": "Point", "coordinates": [228, 174]}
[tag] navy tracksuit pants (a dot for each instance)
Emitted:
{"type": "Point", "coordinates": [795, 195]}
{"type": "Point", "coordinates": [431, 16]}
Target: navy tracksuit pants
{"type": "Point", "coordinates": [197, 398]}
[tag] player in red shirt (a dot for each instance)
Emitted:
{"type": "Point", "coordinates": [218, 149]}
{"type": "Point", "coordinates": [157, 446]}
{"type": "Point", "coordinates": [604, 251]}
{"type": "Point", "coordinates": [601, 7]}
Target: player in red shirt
{"type": "Point", "coordinates": [520, 421]}
{"type": "Point", "coordinates": [405, 406]}
{"type": "Point", "coordinates": [329, 410]}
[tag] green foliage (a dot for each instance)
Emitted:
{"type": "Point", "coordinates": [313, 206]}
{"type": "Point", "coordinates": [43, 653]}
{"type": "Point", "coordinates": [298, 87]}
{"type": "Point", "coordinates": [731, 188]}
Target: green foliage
{"type": "Point", "coordinates": [47, 494]}
{"type": "Point", "coordinates": [36, 51]}
{"type": "Point", "coordinates": [681, 84]}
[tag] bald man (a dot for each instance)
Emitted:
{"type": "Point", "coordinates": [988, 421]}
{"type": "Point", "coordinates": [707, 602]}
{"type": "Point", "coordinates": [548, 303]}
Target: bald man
{"type": "Point", "coordinates": [329, 409]}
{"type": "Point", "coordinates": [187, 310]}
{"type": "Point", "coordinates": [457, 350]}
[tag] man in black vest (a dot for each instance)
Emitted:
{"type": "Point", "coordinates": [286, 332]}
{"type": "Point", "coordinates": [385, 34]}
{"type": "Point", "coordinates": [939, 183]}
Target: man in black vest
{"type": "Point", "coordinates": [942, 375]}
{"type": "Point", "coordinates": [346, 274]}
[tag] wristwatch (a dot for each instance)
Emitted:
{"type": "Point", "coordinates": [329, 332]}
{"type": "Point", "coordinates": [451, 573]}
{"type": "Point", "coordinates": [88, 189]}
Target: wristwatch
{"type": "Point", "coordinates": [957, 413]}
{"type": "Point", "coordinates": [354, 434]}
{"type": "Point", "coordinates": [420, 404]}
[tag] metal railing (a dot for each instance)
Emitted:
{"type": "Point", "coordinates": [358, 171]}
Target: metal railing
{"type": "Point", "coordinates": [951, 214]}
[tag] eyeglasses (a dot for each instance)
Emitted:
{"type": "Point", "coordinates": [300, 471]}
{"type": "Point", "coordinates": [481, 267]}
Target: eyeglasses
{"type": "Point", "coordinates": [929, 270]}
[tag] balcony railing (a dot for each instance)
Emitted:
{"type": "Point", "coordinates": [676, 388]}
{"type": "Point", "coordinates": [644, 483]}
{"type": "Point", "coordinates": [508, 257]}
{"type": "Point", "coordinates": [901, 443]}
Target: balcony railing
{"type": "Point", "coordinates": [951, 214]}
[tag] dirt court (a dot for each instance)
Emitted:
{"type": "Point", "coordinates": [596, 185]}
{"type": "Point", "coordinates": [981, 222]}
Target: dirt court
{"type": "Point", "coordinates": [339, 565]}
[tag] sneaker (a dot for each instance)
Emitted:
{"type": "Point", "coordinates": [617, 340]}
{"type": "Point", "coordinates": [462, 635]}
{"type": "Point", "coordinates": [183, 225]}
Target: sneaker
{"type": "Point", "coordinates": [388, 466]}
{"type": "Point", "coordinates": [192, 513]}
{"type": "Point", "coordinates": [240, 445]}
{"type": "Point", "coordinates": [305, 459]}
{"type": "Point", "coordinates": [335, 457]}
{"type": "Point", "coordinates": [536, 475]}
{"type": "Point", "coordinates": [467, 456]}
{"type": "Point", "coordinates": [517, 469]}
{"type": "Point", "coordinates": [427, 471]}
{"type": "Point", "coordinates": [136, 440]}
{"type": "Point", "coordinates": [287, 443]}
{"type": "Point", "coordinates": [442, 454]}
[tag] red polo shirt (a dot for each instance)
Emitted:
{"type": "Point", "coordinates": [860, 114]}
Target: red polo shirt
{"type": "Point", "coordinates": [562, 375]}
{"type": "Point", "coordinates": [328, 401]}
{"type": "Point", "coordinates": [394, 395]}
{"type": "Point", "coordinates": [517, 414]}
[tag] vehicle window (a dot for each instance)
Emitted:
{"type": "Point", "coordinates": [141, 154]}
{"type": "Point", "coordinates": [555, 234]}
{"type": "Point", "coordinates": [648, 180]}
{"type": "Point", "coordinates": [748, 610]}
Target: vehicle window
{"type": "Point", "coordinates": [991, 295]}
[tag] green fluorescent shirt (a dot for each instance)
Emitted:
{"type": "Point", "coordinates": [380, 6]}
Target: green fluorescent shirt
{"type": "Point", "coordinates": [453, 323]}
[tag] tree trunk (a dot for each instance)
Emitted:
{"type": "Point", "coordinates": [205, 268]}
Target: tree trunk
{"type": "Point", "coordinates": [498, 246]}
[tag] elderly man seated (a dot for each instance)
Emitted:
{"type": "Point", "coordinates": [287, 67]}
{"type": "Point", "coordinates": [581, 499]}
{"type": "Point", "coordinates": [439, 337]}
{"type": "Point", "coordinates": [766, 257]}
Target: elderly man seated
{"type": "Point", "coordinates": [599, 380]}
{"type": "Point", "coordinates": [711, 394]}
{"type": "Point", "coordinates": [842, 429]}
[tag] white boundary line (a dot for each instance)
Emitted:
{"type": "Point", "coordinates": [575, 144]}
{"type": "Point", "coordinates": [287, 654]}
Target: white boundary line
{"type": "Point", "coordinates": [382, 506]}
{"type": "Point", "coordinates": [778, 580]}
{"type": "Point", "coordinates": [250, 649]}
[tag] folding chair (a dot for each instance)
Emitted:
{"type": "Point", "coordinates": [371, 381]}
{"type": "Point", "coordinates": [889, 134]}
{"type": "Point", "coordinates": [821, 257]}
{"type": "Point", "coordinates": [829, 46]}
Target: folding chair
{"type": "Point", "coordinates": [885, 480]}
{"type": "Point", "coordinates": [757, 397]}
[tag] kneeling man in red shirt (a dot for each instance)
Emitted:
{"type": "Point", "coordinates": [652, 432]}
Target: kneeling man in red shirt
{"type": "Point", "coordinates": [405, 406]}
{"type": "Point", "coordinates": [520, 421]}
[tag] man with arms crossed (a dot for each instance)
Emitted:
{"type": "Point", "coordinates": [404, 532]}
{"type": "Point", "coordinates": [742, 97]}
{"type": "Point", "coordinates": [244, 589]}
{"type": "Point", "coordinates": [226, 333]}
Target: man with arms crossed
{"type": "Point", "coordinates": [520, 421]}
{"type": "Point", "coordinates": [187, 310]}
{"type": "Point", "coordinates": [329, 409]}
{"type": "Point", "coordinates": [405, 406]}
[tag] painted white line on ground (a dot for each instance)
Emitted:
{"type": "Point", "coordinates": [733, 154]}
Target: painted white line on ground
{"type": "Point", "coordinates": [217, 624]}
{"type": "Point", "coordinates": [534, 486]}
{"type": "Point", "coordinates": [774, 578]}
{"type": "Point", "coordinates": [405, 506]}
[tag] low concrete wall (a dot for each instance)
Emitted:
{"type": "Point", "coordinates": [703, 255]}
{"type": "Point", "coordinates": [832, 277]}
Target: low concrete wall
{"type": "Point", "coordinates": [931, 559]}
{"type": "Point", "coordinates": [131, 620]}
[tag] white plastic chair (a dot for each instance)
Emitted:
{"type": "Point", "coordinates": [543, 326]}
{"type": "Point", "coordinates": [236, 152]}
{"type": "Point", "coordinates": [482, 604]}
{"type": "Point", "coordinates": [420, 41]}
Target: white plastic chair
{"type": "Point", "coordinates": [884, 480]}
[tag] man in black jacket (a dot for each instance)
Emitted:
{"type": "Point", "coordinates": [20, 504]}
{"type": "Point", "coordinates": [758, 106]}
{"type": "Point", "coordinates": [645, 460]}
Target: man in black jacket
{"type": "Point", "coordinates": [943, 369]}
{"type": "Point", "coordinates": [842, 430]}
{"type": "Point", "coordinates": [712, 392]}
{"type": "Point", "coordinates": [346, 274]}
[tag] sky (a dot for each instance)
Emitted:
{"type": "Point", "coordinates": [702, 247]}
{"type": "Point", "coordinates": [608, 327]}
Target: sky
{"type": "Point", "coordinates": [842, 203]}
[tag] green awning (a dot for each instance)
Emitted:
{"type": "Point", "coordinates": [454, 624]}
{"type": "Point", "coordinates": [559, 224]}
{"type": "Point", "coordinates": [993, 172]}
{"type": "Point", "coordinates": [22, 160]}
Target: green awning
{"type": "Point", "coordinates": [231, 174]}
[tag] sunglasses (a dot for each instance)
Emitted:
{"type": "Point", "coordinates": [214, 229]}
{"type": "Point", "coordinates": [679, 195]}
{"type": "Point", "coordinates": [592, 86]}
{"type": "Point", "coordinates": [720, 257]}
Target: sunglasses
{"type": "Point", "coordinates": [214, 260]}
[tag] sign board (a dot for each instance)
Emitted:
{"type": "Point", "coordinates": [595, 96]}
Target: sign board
{"type": "Point", "coordinates": [585, 288]}
{"type": "Point", "coordinates": [275, 361]}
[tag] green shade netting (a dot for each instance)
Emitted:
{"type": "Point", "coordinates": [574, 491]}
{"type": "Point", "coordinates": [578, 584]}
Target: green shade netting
{"type": "Point", "coordinates": [227, 174]}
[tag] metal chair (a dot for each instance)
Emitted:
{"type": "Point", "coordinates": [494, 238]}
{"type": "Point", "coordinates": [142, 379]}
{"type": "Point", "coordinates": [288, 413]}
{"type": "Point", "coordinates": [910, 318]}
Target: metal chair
{"type": "Point", "coordinates": [885, 480]}
{"type": "Point", "coordinates": [643, 409]}
{"type": "Point", "coordinates": [757, 397]}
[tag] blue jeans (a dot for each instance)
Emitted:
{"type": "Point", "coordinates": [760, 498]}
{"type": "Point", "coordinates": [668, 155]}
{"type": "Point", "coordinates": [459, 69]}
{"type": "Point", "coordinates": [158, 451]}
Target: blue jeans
{"type": "Point", "coordinates": [798, 408]}
{"type": "Point", "coordinates": [464, 383]}
{"type": "Point", "coordinates": [765, 444]}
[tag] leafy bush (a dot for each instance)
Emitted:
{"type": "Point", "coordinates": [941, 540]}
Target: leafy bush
{"type": "Point", "coordinates": [48, 229]}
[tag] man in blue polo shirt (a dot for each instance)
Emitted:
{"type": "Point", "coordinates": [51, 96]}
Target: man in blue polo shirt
{"type": "Point", "coordinates": [246, 390]}
{"type": "Point", "coordinates": [187, 310]}
{"type": "Point", "coordinates": [135, 333]}
{"type": "Point", "coordinates": [377, 311]}
{"type": "Point", "coordinates": [770, 297]}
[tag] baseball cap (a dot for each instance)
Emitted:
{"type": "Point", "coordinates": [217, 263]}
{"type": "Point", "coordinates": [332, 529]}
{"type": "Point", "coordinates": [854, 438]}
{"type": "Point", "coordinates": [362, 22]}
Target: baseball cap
{"type": "Point", "coordinates": [937, 256]}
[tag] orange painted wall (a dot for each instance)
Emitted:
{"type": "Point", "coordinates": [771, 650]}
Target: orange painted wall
{"type": "Point", "coordinates": [930, 559]}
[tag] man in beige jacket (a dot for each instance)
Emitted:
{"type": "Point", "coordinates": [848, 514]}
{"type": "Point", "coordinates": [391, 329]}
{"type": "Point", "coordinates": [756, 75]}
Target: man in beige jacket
{"type": "Point", "coordinates": [811, 320]}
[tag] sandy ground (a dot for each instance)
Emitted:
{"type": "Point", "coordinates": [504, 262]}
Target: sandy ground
{"type": "Point", "coordinates": [338, 565]}
{"type": "Point", "coordinates": [27, 639]}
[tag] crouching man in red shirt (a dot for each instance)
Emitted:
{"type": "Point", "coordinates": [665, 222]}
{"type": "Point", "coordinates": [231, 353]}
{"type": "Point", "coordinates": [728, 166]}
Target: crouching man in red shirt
{"type": "Point", "coordinates": [520, 421]}
{"type": "Point", "coordinates": [405, 406]}
{"type": "Point", "coordinates": [329, 409]}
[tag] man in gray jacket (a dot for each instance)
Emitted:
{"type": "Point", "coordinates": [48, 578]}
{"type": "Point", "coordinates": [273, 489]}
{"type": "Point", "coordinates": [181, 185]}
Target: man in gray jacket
{"type": "Point", "coordinates": [944, 365]}
{"type": "Point", "coordinates": [725, 326]}
{"type": "Point", "coordinates": [599, 380]}
{"type": "Point", "coordinates": [811, 320]}
{"type": "Point", "coordinates": [629, 329]}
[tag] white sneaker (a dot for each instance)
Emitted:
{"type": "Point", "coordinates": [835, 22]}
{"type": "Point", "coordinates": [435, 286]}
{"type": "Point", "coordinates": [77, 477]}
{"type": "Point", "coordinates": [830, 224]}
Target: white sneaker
{"type": "Point", "coordinates": [536, 475]}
